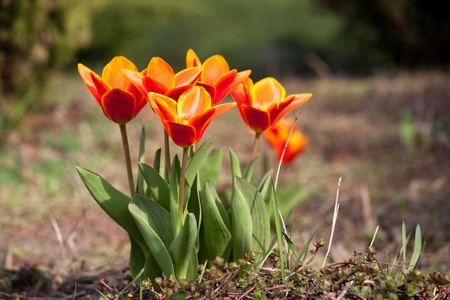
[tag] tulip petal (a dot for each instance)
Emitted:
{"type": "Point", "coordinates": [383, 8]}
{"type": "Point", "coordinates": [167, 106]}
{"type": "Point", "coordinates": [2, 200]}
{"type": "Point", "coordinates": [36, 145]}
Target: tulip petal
{"type": "Point", "coordinates": [163, 106]}
{"type": "Point", "coordinates": [209, 88]}
{"type": "Point", "coordinates": [119, 105]}
{"type": "Point", "coordinates": [136, 79]}
{"type": "Point", "coordinates": [161, 71]}
{"type": "Point", "coordinates": [177, 92]}
{"type": "Point", "coordinates": [113, 75]}
{"type": "Point", "coordinates": [192, 59]}
{"type": "Point", "coordinates": [200, 122]}
{"type": "Point", "coordinates": [101, 86]}
{"type": "Point", "coordinates": [213, 68]}
{"type": "Point", "coordinates": [193, 102]}
{"type": "Point", "coordinates": [85, 74]}
{"type": "Point", "coordinates": [154, 86]}
{"type": "Point", "coordinates": [266, 91]}
{"type": "Point", "coordinates": [241, 94]}
{"type": "Point", "coordinates": [222, 85]}
{"type": "Point", "coordinates": [182, 134]}
{"type": "Point", "coordinates": [293, 101]}
{"type": "Point", "coordinates": [187, 76]}
{"type": "Point", "coordinates": [256, 119]}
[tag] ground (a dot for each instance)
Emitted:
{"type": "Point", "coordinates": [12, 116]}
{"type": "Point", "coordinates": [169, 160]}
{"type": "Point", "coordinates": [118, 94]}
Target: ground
{"type": "Point", "coordinates": [354, 129]}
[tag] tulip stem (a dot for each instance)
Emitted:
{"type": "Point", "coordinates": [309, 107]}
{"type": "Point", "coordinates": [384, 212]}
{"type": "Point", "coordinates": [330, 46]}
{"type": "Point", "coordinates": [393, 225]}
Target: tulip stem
{"type": "Point", "coordinates": [255, 145]}
{"type": "Point", "coordinates": [182, 179]}
{"type": "Point", "coordinates": [126, 151]}
{"type": "Point", "coordinates": [167, 154]}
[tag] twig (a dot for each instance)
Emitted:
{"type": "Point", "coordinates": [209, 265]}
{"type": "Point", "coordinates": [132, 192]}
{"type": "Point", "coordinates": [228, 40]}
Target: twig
{"type": "Point", "coordinates": [333, 226]}
{"type": "Point", "coordinates": [247, 292]}
{"type": "Point", "coordinates": [374, 235]}
{"type": "Point", "coordinates": [342, 294]}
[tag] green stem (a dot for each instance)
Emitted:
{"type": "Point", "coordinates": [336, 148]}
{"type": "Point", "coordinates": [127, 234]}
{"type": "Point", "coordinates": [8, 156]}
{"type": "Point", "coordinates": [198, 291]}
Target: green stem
{"type": "Point", "coordinates": [182, 179]}
{"type": "Point", "coordinates": [167, 154]}
{"type": "Point", "coordinates": [126, 150]}
{"type": "Point", "coordinates": [255, 145]}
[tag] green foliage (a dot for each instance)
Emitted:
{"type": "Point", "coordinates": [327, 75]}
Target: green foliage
{"type": "Point", "coordinates": [38, 37]}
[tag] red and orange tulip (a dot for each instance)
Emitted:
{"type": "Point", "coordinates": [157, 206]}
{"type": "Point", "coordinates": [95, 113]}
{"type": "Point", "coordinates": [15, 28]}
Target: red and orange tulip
{"type": "Point", "coordinates": [278, 135]}
{"type": "Point", "coordinates": [186, 120]}
{"type": "Point", "coordinates": [160, 78]}
{"type": "Point", "coordinates": [263, 104]}
{"type": "Point", "coordinates": [216, 76]}
{"type": "Point", "coordinates": [119, 99]}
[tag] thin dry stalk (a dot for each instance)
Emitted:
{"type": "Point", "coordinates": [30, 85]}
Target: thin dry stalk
{"type": "Point", "coordinates": [369, 222]}
{"type": "Point", "coordinates": [374, 236]}
{"type": "Point", "coordinates": [333, 226]}
{"type": "Point", "coordinates": [60, 239]}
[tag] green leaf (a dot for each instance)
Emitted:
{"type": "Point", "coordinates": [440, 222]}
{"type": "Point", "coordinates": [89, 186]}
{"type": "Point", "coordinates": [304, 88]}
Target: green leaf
{"type": "Point", "coordinates": [183, 245]}
{"type": "Point", "coordinates": [216, 237]}
{"type": "Point", "coordinates": [291, 196]}
{"type": "Point", "coordinates": [158, 187]}
{"type": "Point", "coordinates": [417, 248]}
{"type": "Point", "coordinates": [251, 167]}
{"type": "Point", "coordinates": [137, 258]}
{"type": "Point", "coordinates": [210, 167]}
{"type": "Point", "coordinates": [194, 206]}
{"type": "Point", "coordinates": [235, 165]}
{"type": "Point", "coordinates": [265, 185]}
{"type": "Point", "coordinates": [157, 161]}
{"type": "Point", "coordinates": [219, 205]}
{"type": "Point", "coordinates": [241, 223]}
{"type": "Point", "coordinates": [196, 161]}
{"type": "Point", "coordinates": [273, 198]}
{"type": "Point", "coordinates": [259, 217]}
{"type": "Point", "coordinates": [112, 201]}
{"type": "Point", "coordinates": [141, 186]}
{"type": "Point", "coordinates": [154, 223]}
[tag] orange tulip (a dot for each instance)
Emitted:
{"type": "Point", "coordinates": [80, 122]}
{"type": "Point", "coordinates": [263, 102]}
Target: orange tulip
{"type": "Point", "coordinates": [160, 78]}
{"type": "Point", "coordinates": [263, 104]}
{"type": "Point", "coordinates": [216, 76]}
{"type": "Point", "coordinates": [119, 99]}
{"type": "Point", "coordinates": [186, 120]}
{"type": "Point", "coordinates": [278, 135]}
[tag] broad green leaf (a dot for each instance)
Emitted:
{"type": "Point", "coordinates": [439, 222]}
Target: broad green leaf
{"type": "Point", "coordinates": [273, 198]}
{"type": "Point", "coordinates": [216, 237]}
{"type": "Point", "coordinates": [235, 165]}
{"type": "Point", "coordinates": [241, 223]}
{"type": "Point", "coordinates": [219, 205]}
{"type": "Point", "coordinates": [183, 245]}
{"type": "Point", "coordinates": [260, 218]}
{"type": "Point", "coordinates": [193, 206]}
{"type": "Point", "coordinates": [137, 258]}
{"type": "Point", "coordinates": [251, 167]}
{"type": "Point", "coordinates": [158, 187]}
{"type": "Point", "coordinates": [264, 185]}
{"type": "Point", "coordinates": [196, 161]}
{"type": "Point", "coordinates": [210, 167]}
{"type": "Point", "coordinates": [154, 223]}
{"type": "Point", "coordinates": [112, 201]}
{"type": "Point", "coordinates": [141, 186]}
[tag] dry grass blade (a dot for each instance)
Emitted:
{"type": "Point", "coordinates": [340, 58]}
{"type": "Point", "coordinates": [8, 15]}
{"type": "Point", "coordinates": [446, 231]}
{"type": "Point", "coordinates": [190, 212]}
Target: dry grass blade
{"type": "Point", "coordinates": [333, 226]}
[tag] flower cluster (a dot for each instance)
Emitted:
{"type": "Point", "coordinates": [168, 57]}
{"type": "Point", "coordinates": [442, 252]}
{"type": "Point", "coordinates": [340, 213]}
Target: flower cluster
{"type": "Point", "coordinates": [186, 102]}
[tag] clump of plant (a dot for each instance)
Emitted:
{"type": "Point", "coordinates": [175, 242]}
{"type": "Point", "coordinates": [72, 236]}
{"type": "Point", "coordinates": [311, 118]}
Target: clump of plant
{"type": "Point", "coordinates": [174, 215]}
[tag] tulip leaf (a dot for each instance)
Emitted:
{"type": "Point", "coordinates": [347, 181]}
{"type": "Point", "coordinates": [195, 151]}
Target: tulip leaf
{"type": "Point", "coordinates": [154, 223]}
{"type": "Point", "coordinates": [248, 174]}
{"type": "Point", "coordinates": [183, 245]}
{"type": "Point", "coordinates": [216, 235]}
{"type": "Point", "coordinates": [112, 201]}
{"type": "Point", "coordinates": [264, 189]}
{"type": "Point", "coordinates": [159, 190]}
{"type": "Point", "coordinates": [241, 221]}
{"type": "Point", "coordinates": [141, 186]}
{"type": "Point", "coordinates": [193, 206]}
{"type": "Point", "coordinates": [137, 258]}
{"type": "Point", "coordinates": [260, 218]}
{"type": "Point", "coordinates": [210, 167]}
{"type": "Point", "coordinates": [235, 165]}
{"type": "Point", "coordinates": [196, 161]}
{"type": "Point", "coordinates": [219, 204]}
{"type": "Point", "coordinates": [157, 160]}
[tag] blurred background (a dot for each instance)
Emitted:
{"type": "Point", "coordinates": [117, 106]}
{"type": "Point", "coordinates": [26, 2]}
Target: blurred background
{"type": "Point", "coordinates": [379, 117]}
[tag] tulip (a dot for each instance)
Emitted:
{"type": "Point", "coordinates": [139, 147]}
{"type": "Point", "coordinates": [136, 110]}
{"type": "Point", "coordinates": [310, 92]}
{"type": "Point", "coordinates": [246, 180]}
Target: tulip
{"type": "Point", "coordinates": [263, 104]}
{"type": "Point", "coordinates": [186, 120]}
{"type": "Point", "coordinates": [160, 78]}
{"type": "Point", "coordinates": [216, 76]}
{"type": "Point", "coordinates": [278, 135]}
{"type": "Point", "coordinates": [119, 99]}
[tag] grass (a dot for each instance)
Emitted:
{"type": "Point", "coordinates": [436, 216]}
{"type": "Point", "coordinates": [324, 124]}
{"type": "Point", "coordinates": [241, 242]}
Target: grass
{"type": "Point", "coordinates": [353, 129]}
